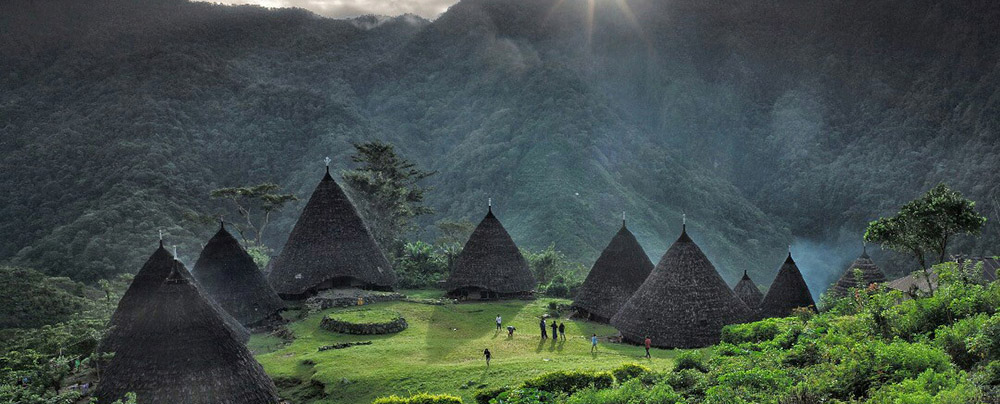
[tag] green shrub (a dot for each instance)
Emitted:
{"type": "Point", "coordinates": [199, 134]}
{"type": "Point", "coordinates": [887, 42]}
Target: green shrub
{"type": "Point", "coordinates": [422, 398]}
{"type": "Point", "coordinates": [690, 360]}
{"type": "Point", "coordinates": [986, 343]}
{"type": "Point", "coordinates": [990, 374]}
{"type": "Point", "coordinates": [754, 385]}
{"type": "Point", "coordinates": [930, 387]}
{"type": "Point", "coordinates": [569, 381]}
{"type": "Point", "coordinates": [756, 332]}
{"type": "Point", "coordinates": [955, 340]}
{"type": "Point", "coordinates": [629, 371]}
{"type": "Point", "coordinates": [485, 395]}
{"type": "Point", "coordinates": [633, 391]}
{"type": "Point", "coordinates": [689, 382]}
{"type": "Point", "coordinates": [524, 396]}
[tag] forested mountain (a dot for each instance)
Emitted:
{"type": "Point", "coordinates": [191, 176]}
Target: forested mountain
{"type": "Point", "coordinates": [768, 122]}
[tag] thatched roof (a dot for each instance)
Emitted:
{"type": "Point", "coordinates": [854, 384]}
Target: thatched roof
{"type": "Point", "coordinates": [748, 292]}
{"type": "Point", "coordinates": [870, 273]}
{"type": "Point", "coordinates": [787, 292]}
{"type": "Point", "coordinates": [684, 303]}
{"type": "Point", "coordinates": [229, 275]}
{"type": "Point", "coordinates": [330, 243]}
{"type": "Point", "coordinates": [181, 351]}
{"type": "Point", "coordinates": [916, 282]}
{"type": "Point", "coordinates": [491, 261]}
{"type": "Point", "coordinates": [622, 267]}
{"type": "Point", "coordinates": [146, 281]}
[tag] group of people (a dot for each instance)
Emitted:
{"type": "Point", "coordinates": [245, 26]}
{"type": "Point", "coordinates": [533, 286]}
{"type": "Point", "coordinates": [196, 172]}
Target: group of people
{"type": "Point", "coordinates": [557, 330]}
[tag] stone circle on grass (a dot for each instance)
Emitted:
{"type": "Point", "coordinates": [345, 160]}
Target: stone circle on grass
{"type": "Point", "coordinates": [364, 322]}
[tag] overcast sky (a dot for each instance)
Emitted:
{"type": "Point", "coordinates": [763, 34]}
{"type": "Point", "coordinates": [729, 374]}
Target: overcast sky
{"type": "Point", "coordinates": [350, 8]}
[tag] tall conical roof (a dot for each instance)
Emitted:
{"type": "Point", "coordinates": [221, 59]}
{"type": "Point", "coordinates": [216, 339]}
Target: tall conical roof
{"type": "Point", "coordinates": [787, 292]}
{"type": "Point", "coordinates": [181, 351]}
{"type": "Point", "coordinates": [490, 260]}
{"type": "Point", "coordinates": [684, 303]}
{"type": "Point", "coordinates": [229, 275]}
{"type": "Point", "coordinates": [146, 282]}
{"type": "Point", "coordinates": [748, 292]}
{"type": "Point", "coordinates": [870, 273]}
{"type": "Point", "coordinates": [620, 270]}
{"type": "Point", "coordinates": [329, 243]}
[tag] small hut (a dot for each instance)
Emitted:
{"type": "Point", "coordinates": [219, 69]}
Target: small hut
{"type": "Point", "coordinates": [869, 272]}
{"type": "Point", "coordinates": [684, 303]}
{"type": "Point", "coordinates": [146, 281]}
{"type": "Point", "coordinates": [620, 270]}
{"type": "Point", "coordinates": [787, 292]}
{"type": "Point", "coordinates": [490, 265]}
{"type": "Point", "coordinates": [229, 275]}
{"type": "Point", "coordinates": [748, 292]}
{"type": "Point", "coordinates": [181, 351]}
{"type": "Point", "coordinates": [329, 247]}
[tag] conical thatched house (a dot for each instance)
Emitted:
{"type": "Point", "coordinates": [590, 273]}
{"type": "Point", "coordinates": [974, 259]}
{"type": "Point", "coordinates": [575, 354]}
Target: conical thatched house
{"type": "Point", "coordinates": [181, 351]}
{"type": "Point", "coordinates": [149, 278]}
{"type": "Point", "coordinates": [748, 292]}
{"type": "Point", "coordinates": [330, 246]}
{"type": "Point", "coordinates": [622, 267]}
{"type": "Point", "coordinates": [229, 275]}
{"type": "Point", "coordinates": [684, 303]}
{"type": "Point", "coordinates": [787, 292]}
{"type": "Point", "coordinates": [870, 273]}
{"type": "Point", "coordinates": [490, 265]}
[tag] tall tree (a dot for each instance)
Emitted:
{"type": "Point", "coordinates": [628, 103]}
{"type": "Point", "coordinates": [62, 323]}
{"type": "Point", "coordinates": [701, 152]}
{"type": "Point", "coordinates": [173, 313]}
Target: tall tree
{"type": "Point", "coordinates": [254, 205]}
{"type": "Point", "coordinates": [924, 227]}
{"type": "Point", "coordinates": [386, 186]}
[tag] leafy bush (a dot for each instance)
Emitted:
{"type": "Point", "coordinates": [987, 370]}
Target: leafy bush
{"type": "Point", "coordinates": [955, 340]}
{"type": "Point", "coordinates": [485, 395]}
{"type": "Point", "coordinates": [986, 343]}
{"type": "Point", "coordinates": [689, 382]}
{"type": "Point", "coordinates": [633, 391]}
{"type": "Point", "coordinates": [759, 331]}
{"type": "Point", "coordinates": [930, 387]}
{"type": "Point", "coordinates": [421, 265]}
{"type": "Point", "coordinates": [629, 371]}
{"type": "Point", "coordinates": [754, 385]}
{"type": "Point", "coordinates": [422, 398]}
{"type": "Point", "coordinates": [690, 360]}
{"type": "Point", "coordinates": [524, 396]}
{"type": "Point", "coordinates": [570, 381]}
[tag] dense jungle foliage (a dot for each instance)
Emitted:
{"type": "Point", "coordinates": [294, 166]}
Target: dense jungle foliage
{"type": "Point", "coordinates": [768, 122]}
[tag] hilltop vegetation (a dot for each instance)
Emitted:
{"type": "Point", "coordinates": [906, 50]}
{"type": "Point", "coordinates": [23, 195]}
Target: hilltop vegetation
{"type": "Point", "coordinates": [763, 121]}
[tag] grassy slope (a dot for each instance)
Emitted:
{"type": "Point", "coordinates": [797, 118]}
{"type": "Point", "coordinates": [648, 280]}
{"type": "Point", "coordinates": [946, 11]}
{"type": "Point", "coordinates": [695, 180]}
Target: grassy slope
{"type": "Point", "coordinates": [441, 352]}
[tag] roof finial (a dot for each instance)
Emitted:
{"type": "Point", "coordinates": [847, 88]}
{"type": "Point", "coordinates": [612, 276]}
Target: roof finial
{"type": "Point", "coordinates": [327, 160]}
{"type": "Point", "coordinates": [222, 222]}
{"type": "Point", "coordinates": [175, 251]}
{"type": "Point", "coordinates": [489, 204]}
{"type": "Point", "coordinates": [623, 218]}
{"type": "Point", "coordinates": [684, 222]}
{"type": "Point", "coordinates": [161, 237]}
{"type": "Point", "coordinates": [789, 251]}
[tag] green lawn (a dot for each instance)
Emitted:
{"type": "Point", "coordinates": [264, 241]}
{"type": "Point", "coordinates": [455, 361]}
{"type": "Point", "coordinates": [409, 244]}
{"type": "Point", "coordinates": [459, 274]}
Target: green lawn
{"type": "Point", "coordinates": [440, 352]}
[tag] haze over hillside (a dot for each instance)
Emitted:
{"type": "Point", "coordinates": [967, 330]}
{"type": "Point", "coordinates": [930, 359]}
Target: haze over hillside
{"type": "Point", "coordinates": [767, 122]}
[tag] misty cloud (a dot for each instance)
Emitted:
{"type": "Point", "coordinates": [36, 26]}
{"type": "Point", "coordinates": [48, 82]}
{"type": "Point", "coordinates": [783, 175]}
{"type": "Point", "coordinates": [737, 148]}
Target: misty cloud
{"type": "Point", "coordinates": [429, 9]}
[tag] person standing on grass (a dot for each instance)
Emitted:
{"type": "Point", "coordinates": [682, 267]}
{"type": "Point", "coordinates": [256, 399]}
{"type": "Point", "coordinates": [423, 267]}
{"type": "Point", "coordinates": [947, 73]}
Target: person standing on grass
{"type": "Point", "coordinates": [648, 343]}
{"type": "Point", "coordinates": [499, 321]}
{"type": "Point", "coordinates": [488, 355]}
{"type": "Point", "coordinates": [510, 331]}
{"type": "Point", "coordinates": [541, 325]}
{"type": "Point", "coordinates": [562, 331]}
{"type": "Point", "coordinates": [555, 330]}
{"type": "Point", "coordinates": [593, 343]}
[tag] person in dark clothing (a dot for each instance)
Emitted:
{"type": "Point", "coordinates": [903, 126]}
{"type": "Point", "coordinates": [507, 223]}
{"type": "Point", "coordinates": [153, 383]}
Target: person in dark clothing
{"type": "Point", "coordinates": [555, 330]}
{"type": "Point", "coordinates": [541, 324]}
{"type": "Point", "coordinates": [510, 331]}
{"type": "Point", "coordinates": [648, 342]}
{"type": "Point", "coordinates": [562, 331]}
{"type": "Point", "coordinates": [488, 355]}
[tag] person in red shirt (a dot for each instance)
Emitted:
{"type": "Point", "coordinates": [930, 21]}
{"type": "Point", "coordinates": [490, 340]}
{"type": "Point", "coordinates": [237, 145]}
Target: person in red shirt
{"type": "Point", "coordinates": [648, 343]}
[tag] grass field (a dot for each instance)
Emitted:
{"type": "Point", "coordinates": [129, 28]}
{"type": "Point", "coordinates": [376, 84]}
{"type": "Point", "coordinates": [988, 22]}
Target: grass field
{"type": "Point", "coordinates": [440, 352]}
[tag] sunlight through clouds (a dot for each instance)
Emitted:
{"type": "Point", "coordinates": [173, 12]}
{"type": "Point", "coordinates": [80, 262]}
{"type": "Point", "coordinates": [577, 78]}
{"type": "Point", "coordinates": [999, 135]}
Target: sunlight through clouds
{"type": "Point", "coordinates": [429, 9]}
